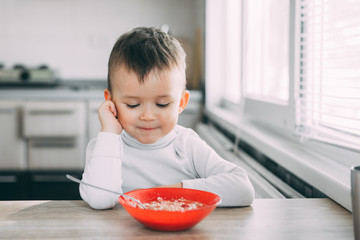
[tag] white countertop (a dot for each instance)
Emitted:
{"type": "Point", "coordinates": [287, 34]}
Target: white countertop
{"type": "Point", "coordinates": [64, 93]}
{"type": "Point", "coordinates": [51, 94]}
{"type": "Point", "coordinates": [63, 90]}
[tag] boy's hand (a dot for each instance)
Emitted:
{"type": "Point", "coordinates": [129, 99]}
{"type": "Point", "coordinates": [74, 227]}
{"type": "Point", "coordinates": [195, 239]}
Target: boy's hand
{"type": "Point", "coordinates": [108, 118]}
{"type": "Point", "coordinates": [178, 185]}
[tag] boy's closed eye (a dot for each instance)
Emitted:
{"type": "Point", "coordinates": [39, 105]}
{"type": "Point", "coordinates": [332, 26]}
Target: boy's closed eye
{"type": "Point", "coordinates": [162, 105]}
{"type": "Point", "coordinates": [132, 105]}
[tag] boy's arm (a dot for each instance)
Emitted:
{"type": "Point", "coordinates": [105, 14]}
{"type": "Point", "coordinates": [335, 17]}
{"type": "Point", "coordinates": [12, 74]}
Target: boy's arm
{"type": "Point", "coordinates": [217, 175]}
{"type": "Point", "coordinates": [103, 160]}
{"type": "Point", "coordinates": [102, 168]}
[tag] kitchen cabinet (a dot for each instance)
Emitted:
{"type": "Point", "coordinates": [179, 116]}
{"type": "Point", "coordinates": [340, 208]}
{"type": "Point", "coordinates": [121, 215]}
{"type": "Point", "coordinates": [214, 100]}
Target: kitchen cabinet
{"type": "Point", "coordinates": [62, 119]}
{"type": "Point", "coordinates": [40, 142]}
{"type": "Point", "coordinates": [56, 134]}
{"type": "Point", "coordinates": [56, 153]}
{"type": "Point", "coordinates": [12, 145]}
{"type": "Point", "coordinates": [38, 185]}
{"type": "Point", "coordinates": [93, 119]}
{"type": "Point", "coordinates": [14, 185]}
{"type": "Point", "coordinates": [193, 111]}
{"type": "Point", "coordinates": [45, 185]}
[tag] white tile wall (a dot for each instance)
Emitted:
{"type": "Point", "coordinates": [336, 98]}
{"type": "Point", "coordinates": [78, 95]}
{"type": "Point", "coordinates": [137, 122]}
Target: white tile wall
{"type": "Point", "coordinates": [75, 37]}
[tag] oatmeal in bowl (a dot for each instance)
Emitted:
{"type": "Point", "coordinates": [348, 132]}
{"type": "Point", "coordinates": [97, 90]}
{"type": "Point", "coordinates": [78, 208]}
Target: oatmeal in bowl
{"type": "Point", "coordinates": [170, 209]}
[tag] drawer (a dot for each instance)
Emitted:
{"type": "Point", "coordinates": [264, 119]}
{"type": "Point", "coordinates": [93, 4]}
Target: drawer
{"type": "Point", "coordinates": [53, 185]}
{"type": "Point", "coordinates": [38, 185]}
{"type": "Point", "coordinates": [53, 119]}
{"type": "Point", "coordinates": [56, 153]}
{"type": "Point", "coordinates": [14, 185]}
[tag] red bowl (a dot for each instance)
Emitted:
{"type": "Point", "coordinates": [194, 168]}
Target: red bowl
{"type": "Point", "coordinates": [170, 220]}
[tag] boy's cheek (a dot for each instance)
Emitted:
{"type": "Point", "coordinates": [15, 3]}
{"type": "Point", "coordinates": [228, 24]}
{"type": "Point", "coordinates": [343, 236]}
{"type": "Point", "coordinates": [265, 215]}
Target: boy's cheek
{"type": "Point", "coordinates": [120, 109]}
{"type": "Point", "coordinates": [125, 117]}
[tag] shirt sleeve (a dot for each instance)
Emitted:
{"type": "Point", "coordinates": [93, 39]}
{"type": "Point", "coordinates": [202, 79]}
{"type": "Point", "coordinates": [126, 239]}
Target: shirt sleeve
{"type": "Point", "coordinates": [102, 168]}
{"type": "Point", "coordinates": [217, 175]}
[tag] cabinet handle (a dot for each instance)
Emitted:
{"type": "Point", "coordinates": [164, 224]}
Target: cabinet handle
{"type": "Point", "coordinates": [6, 110]}
{"type": "Point", "coordinates": [49, 178]}
{"type": "Point", "coordinates": [53, 144]}
{"type": "Point", "coordinates": [8, 179]}
{"type": "Point", "coordinates": [50, 112]}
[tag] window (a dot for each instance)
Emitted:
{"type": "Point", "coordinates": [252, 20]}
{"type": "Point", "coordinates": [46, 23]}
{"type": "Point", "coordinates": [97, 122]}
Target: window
{"type": "Point", "coordinates": [266, 57]}
{"type": "Point", "coordinates": [223, 47]}
{"type": "Point", "coordinates": [299, 66]}
{"type": "Point", "coordinates": [233, 51]}
{"type": "Point", "coordinates": [268, 64]}
{"type": "Point", "coordinates": [328, 91]}
{"type": "Point", "coordinates": [300, 98]}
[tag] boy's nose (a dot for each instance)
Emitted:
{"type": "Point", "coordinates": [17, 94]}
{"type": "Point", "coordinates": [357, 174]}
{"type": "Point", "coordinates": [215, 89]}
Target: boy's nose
{"type": "Point", "coordinates": [147, 114]}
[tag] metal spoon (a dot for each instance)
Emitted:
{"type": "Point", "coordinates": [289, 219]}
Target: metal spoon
{"type": "Point", "coordinates": [104, 189]}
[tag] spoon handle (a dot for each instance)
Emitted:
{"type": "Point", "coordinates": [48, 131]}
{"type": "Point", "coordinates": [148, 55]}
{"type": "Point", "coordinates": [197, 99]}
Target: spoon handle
{"type": "Point", "coordinates": [104, 189]}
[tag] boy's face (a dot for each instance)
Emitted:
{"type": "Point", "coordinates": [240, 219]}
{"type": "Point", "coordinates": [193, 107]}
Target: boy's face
{"type": "Point", "coordinates": [148, 111]}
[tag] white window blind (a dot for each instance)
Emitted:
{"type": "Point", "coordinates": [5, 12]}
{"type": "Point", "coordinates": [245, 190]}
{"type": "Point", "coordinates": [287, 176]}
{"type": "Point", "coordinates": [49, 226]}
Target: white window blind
{"type": "Point", "coordinates": [328, 92]}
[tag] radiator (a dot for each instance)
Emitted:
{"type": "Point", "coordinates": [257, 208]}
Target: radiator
{"type": "Point", "coordinates": [266, 184]}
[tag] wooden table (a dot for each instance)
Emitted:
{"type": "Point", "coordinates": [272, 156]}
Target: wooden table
{"type": "Point", "coordinates": [265, 219]}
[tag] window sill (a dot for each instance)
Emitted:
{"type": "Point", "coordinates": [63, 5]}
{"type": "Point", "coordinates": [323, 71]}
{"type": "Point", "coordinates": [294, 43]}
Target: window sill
{"type": "Point", "coordinates": [325, 174]}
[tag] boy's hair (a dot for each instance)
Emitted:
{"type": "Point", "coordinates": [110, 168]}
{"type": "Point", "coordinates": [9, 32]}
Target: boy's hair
{"type": "Point", "coordinates": [143, 49]}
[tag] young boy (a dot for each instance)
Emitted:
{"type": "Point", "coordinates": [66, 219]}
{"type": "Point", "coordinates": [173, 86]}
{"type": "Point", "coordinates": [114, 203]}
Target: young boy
{"type": "Point", "coordinates": [140, 144]}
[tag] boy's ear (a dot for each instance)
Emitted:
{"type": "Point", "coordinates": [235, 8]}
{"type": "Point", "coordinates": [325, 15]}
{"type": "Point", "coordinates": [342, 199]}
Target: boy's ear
{"type": "Point", "coordinates": [107, 94]}
{"type": "Point", "coordinates": [184, 100]}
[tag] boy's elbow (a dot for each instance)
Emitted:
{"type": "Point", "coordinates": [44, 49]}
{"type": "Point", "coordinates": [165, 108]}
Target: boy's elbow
{"type": "Point", "coordinates": [98, 200]}
{"type": "Point", "coordinates": [101, 205]}
{"type": "Point", "coordinates": [248, 198]}
{"type": "Point", "coordinates": [238, 197]}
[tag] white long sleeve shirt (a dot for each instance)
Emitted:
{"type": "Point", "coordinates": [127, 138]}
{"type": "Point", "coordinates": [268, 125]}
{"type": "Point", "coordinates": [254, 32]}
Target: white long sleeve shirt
{"type": "Point", "coordinates": [122, 164]}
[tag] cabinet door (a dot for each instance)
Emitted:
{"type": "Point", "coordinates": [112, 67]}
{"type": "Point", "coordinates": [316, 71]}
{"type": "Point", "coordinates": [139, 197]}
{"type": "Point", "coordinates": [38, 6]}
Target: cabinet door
{"type": "Point", "coordinates": [12, 146]}
{"type": "Point", "coordinates": [93, 118]}
{"type": "Point", "coordinates": [193, 111]}
{"type": "Point", "coordinates": [56, 153]}
{"type": "Point", "coordinates": [56, 133]}
{"type": "Point", "coordinates": [53, 185]}
{"type": "Point", "coordinates": [14, 185]}
{"type": "Point", "coordinates": [54, 119]}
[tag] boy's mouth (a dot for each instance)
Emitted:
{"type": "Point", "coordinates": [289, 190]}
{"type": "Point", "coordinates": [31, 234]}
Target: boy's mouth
{"type": "Point", "coordinates": [146, 129]}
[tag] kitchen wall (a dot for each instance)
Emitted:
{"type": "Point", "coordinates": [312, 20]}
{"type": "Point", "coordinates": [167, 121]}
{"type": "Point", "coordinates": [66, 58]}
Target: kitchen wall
{"type": "Point", "coordinates": [75, 37]}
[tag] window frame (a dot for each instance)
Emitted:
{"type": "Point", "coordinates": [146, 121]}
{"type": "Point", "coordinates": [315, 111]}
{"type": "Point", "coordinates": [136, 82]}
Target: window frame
{"type": "Point", "coordinates": [276, 115]}
{"type": "Point", "coordinates": [271, 112]}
